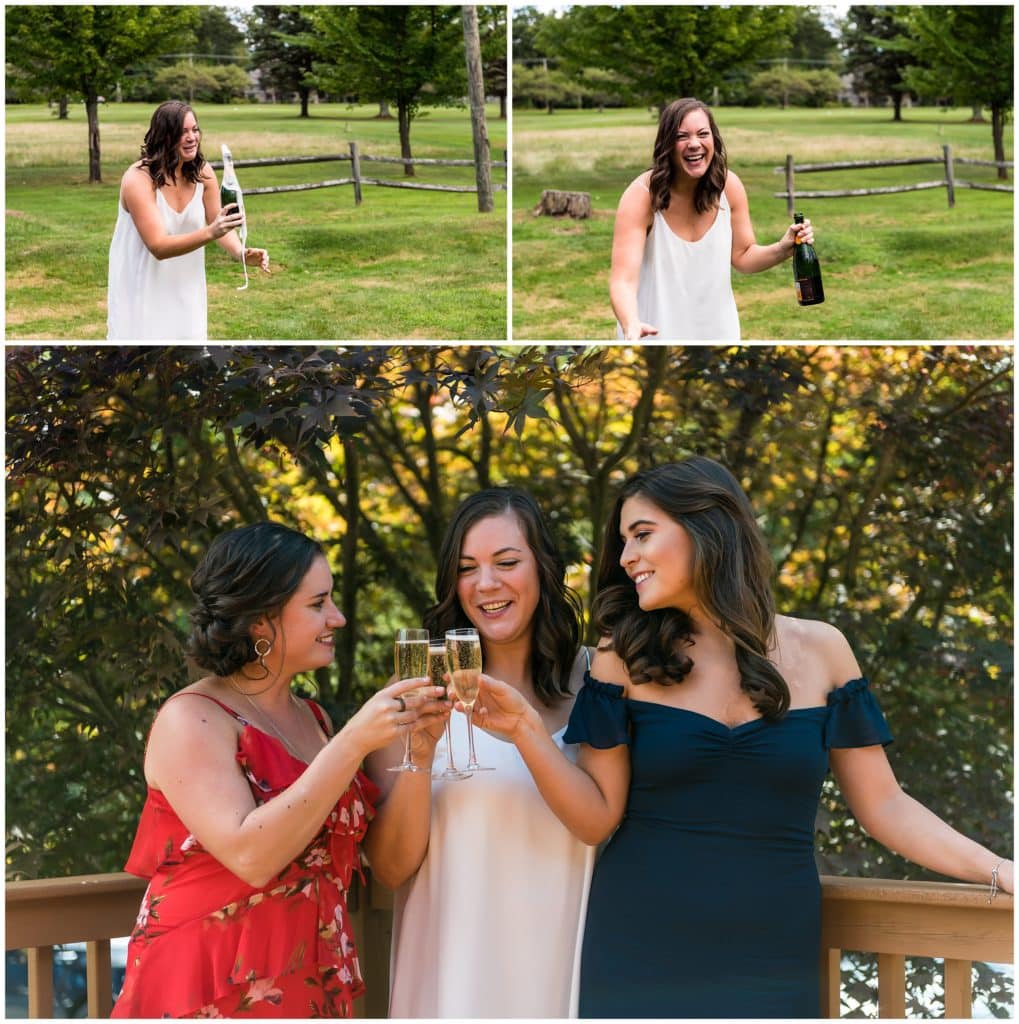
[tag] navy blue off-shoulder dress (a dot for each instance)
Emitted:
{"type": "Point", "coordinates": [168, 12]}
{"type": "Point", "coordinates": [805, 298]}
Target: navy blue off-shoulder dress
{"type": "Point", "coordinates": [706, 901]}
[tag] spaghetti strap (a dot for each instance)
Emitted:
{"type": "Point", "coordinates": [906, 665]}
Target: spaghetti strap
{"type": "Point", "coordinates": [320, 716]}
{"type": "Point", "coordinates": [226, 707]}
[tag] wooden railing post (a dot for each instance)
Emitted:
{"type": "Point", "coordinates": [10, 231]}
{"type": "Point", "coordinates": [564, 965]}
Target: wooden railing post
{"type": "Point", "coordinates": [355, 169]}
{"type": "Point", "coordinates": [98, 977]}
{"type": "Point", "coordinates": [891, 985]}
{"type": "Point", "coordinates": [790, 201]}
{"type": "Point", "coordinates": [831, 983]}
{"type": "Point", "coordinates": [949, 175]}
{"type": "Point", "coordinates": [958, 988]}
{"type": "Point", "coordinates": [40, 981]}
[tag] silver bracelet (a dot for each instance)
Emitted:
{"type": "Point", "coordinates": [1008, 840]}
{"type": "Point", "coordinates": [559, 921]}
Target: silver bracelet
{"type": "Point", "coordinates": [994, 879]}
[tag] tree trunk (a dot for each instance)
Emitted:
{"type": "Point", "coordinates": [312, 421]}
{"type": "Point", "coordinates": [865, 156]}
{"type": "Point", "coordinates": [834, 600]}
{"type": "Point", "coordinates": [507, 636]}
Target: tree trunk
{"type": "Point", "coordinates": [998, 132]}
{"type": "Point", "coordinates": [476, 90]}
{"type": "Point", "coordinates": [502, 106]}
{"type": "Point", "coordinates": [403, 113]}
{"type": "Point", "coordinates": [555, 203]}
{"type": "Point", "coordinates": [348, 637]}
{"type": "Point", "coordinates": [897, 102]}
{"type": "Point", "coordinates": [304, 93]}
{"type": "Point", "coordinates": [95, 174]}
{"type": "Point", "coordinates": [384, 113]}
{"type": "Point", "coordinates": [977, 117]}
{"type": "Point", "coordinates": [62, 108]}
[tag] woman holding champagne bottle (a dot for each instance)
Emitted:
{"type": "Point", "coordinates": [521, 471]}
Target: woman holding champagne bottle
{"type": "Point", "coordinates": [255, 810]}
{"type": "Point", "coordinates": [679, 228]}
{"type": "Point", "coordinates": [478, 862]}
{"type": "Point", "coordinates": [706, 728]}
{"type": "Point", "coordinates": [169, 210]}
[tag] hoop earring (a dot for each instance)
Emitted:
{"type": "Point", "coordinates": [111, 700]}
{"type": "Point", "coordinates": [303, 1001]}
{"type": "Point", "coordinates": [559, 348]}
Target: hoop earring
{"type": "Point", "coordinates": [262, 654]}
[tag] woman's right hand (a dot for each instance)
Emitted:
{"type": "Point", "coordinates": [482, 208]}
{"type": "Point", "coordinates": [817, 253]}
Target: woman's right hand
{"type": "Point", "coordinates": [226, 220]}
{"type": "Point", "coordinates": [382, 719]}
{"type": "Point", "coordinates": [501, 709]}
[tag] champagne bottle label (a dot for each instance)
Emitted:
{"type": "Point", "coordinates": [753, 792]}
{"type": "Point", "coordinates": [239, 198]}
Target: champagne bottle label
{"type": "Point", "coordinates": [805, 290]}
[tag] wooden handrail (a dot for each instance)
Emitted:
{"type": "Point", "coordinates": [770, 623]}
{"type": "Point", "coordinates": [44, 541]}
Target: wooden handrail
{"type": "Point", "coordinates": [893, 919]}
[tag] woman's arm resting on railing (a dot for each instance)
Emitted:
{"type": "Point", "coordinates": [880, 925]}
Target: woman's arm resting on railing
{"type": "Point", "coordinates": [905, 826]}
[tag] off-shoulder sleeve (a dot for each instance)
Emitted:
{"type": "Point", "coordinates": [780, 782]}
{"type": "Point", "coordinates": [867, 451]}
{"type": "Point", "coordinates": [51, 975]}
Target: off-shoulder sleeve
{"type": "Point", "coordinates": [854, 718]}
{"type": "Point", "coordinates": [599, 716]}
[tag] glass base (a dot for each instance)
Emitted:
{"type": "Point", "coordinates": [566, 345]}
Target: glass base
{"type": "Point", "coordinates": [454, 773]}
{"type": "Point", "coordinates": [478, 768]}
{"type": "Point", "coordinates": [405, 768]}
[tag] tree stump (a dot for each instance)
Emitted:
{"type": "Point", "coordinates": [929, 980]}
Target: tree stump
{"type": "Point", "coordinates": [564, 204]}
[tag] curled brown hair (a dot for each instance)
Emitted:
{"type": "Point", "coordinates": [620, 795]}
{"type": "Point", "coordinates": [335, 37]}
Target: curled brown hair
{"type": "Point", "coordinates": [732, 577]}
{"type": "Point", "coordinates": [710, 185]}
{"type": "Point", "coordinates": [159, 150]}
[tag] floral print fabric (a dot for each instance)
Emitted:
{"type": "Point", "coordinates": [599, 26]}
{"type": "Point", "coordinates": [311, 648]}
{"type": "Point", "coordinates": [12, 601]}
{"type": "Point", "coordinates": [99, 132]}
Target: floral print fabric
{"type": "Point", "coordinates": [207, 944]}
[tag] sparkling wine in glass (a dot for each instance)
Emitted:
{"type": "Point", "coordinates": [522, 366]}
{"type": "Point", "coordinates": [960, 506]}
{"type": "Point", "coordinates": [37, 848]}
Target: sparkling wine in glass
{"type": "Point", "coordinates": [411, 657]}
{"type": "Point", "coordinates": [437, 670]}
{"type": "Point", "coordinates": [463, 651]}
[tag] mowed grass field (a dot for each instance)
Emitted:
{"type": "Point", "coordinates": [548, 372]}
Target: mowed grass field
{"type": "Point", "coordinates": [896, 267]}
{"type": "Point", "coordinates": [403, 265]}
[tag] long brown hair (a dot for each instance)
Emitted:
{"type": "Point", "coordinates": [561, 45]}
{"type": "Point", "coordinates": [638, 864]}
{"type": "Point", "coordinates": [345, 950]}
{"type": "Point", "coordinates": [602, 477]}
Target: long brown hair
{"type": "Point", "coordinates": [159, 150]}
{"type": "Point", "coordinates": [556, 622]}
{"type": "Point", "coordinates": [732, 577]}
{"type": "Point", "coordinates": [710, 185]}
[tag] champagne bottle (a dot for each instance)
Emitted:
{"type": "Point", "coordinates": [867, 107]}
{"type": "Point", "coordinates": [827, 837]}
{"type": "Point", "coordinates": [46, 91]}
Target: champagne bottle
{"type": "Point", "coordinates": [230, 189]}
{"type": "Point", "coordinates": [806, 272]}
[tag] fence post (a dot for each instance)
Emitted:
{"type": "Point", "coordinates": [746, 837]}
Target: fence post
{"type": "Point", "coordinates": [355, 169]}
{"type": "Point", "coordinates": [790, 202]}
{"type": "Point", "coordinates": [949, 175]}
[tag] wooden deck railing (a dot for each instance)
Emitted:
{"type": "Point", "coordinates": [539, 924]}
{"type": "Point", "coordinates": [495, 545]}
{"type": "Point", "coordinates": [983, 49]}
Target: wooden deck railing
{"type": "Point", "coordinates": [892, 919]}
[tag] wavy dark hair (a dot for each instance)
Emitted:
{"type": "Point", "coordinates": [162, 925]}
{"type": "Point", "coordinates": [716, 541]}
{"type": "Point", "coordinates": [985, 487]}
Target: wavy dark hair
{"type": "Point", "coordinates": [710, 185]}
{"type": "Point", "coordinates": [159, 150]}
{"type": "Point", "coordinates": [556, 622]}
{"type": "Point", "coordinates": [732, 577]}
{"type": "Point", "coordinates": [247, 573]}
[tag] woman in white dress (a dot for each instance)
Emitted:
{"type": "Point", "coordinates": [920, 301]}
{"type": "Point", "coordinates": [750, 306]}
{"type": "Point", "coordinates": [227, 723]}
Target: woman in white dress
{"type": "Point", "coordinates": [679, 228]}
{"type": "Point", "coordinates": [169, 210]}
{"type": "Point", "coordinates": [491, 886]}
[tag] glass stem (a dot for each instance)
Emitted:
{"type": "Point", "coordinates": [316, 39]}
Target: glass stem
{"type": "Point", "coordinates": [449, 748]}
{"type": "Point", "coordinates": [406, 750]}
{"type": "Point", "coordinates": [472, 758]}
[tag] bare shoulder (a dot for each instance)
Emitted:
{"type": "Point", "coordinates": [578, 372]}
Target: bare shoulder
{"type": "Point", "coordinates": [635, 203]}
{"type": "Point", "coordinates": [734, 190]}
{"type": "Point", "coordinates": [581, 663]}
{"type": "Point", "coordinates": [608, 667]}
{"type": "Point", "coordinates": [815, 651]}
{"type": "Point", "coordinates": [207, 174]}
{"type": "Point", "coordinates": [137, 180]}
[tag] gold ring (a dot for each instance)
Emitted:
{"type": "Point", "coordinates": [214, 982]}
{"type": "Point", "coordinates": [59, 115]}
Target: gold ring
{"type": "Point", "coordinates": [403, 703]}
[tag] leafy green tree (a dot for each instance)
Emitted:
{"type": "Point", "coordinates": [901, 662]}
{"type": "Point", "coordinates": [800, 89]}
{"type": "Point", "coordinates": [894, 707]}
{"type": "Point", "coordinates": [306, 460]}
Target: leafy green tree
{"type": "Point", "coordinates": [217, 35]}
{"type": "Point", "coordinates": [810, 38]}
{"type": "Point", "coordinates": [282, 50]}
{"type": "Point", "coordinates": [666, 52]}
{"type": "Point", "coordinates": [871, 37]}
{"type": "Point", "coordinates": [84, 50]}
{"type": "Point", "coordinates": [407, 55]}
{"type": "Point", "coordinates": [492, 29]}
{"type": "Point", "coordinates": [546, 88]}
{"type": "Point", "coordinates": [796, 86]}
{"type": "Point", "coordinates": [967, 53]}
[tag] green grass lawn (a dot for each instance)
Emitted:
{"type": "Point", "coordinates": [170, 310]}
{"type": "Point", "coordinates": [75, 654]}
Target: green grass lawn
{"type": "Point", "coordinates": [900, 266]}
{"type": "Point", "coordinates": [403, 265]}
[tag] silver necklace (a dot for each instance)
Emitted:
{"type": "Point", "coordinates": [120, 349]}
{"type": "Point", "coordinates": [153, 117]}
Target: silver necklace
{"type": "Point", "coordinates": [265, 715]}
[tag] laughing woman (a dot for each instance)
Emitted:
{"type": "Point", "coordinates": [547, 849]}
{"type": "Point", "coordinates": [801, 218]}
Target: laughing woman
{"type": "Point", "coordinates": [679, 228]}
{"type": "Point", "coordinates": [169, 210]}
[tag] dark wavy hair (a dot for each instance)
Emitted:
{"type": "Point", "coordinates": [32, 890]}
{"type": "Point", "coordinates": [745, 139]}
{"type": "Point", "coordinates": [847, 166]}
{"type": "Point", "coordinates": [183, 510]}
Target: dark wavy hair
{"type": "Point", "coordinates": [556, 622]}
{"type": "Point", "coordinates": [159, 150]}
{"type": "Point", "coordinates": [732, 577]}
{"type": "Point", "coordinates": [247, 573]}
{"type": "Point", "coordinates": [710, 185]}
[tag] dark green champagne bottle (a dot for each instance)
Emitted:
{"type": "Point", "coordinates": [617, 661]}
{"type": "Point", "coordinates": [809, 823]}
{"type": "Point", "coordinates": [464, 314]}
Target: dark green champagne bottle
{"type": "Point", "coordinates": [226, 195]}
{"type": "Point", "coordinates": [806, 272]}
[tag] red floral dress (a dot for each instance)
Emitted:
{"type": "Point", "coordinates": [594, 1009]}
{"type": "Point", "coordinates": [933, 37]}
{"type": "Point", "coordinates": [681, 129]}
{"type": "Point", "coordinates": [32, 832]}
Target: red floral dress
{"type": "Point", "coordinates": [207, 944]}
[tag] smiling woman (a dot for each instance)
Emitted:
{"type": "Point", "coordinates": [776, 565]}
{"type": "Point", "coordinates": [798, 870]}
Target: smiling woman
{"type": "Point", "coordinates": [169, 210]}
{"type": "Point", "coordinates": [255, 811]}
{"type": "Point", "coordinates": [679, 227]}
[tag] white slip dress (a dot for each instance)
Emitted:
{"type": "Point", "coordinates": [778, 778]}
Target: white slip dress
{"type": "Point", "coordinates": [157, 300]}
{"type": "Point", "coordinates": [491, 925]}
{"type": "Point", "coordinates": [685, 287]}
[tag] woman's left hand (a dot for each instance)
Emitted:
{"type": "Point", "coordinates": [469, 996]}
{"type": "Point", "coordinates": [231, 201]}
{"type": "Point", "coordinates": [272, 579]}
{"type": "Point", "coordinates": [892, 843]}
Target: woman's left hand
{"type": "Point", "coordinates": [257, 258]}
{"type": "Point", "coordinates": [803, 233]}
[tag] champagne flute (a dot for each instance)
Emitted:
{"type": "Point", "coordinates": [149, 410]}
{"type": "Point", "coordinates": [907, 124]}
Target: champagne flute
{"type": "Point", "coordinates": [411, 656]}
{"type": "Point", "coordinates": [463, 649]}
{"type": "Point", "coordinates": [437, 669]}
